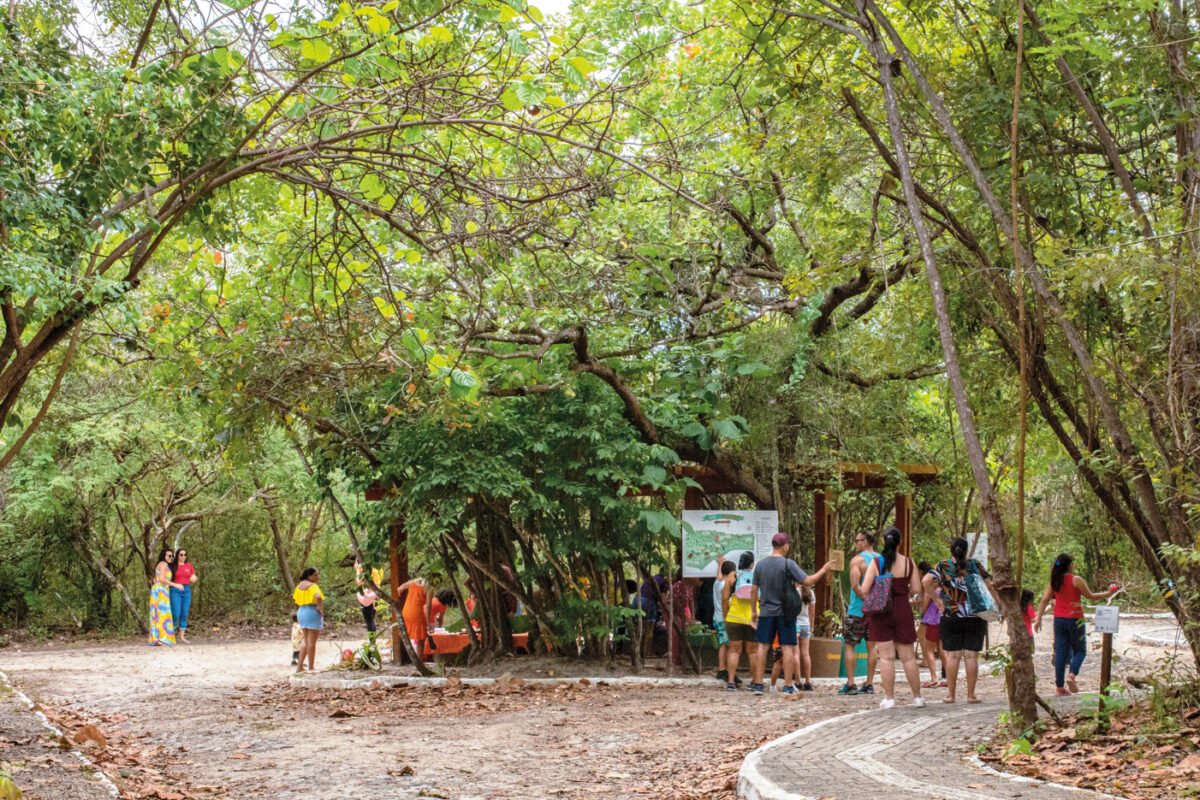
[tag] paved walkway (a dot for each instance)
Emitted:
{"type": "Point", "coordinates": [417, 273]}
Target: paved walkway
{"type": "Point", "coordinates": [905, 753]}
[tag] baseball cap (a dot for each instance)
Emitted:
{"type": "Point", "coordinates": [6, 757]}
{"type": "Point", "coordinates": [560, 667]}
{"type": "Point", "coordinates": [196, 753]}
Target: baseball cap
{"type": "Point", "coordinates": [779, 540]}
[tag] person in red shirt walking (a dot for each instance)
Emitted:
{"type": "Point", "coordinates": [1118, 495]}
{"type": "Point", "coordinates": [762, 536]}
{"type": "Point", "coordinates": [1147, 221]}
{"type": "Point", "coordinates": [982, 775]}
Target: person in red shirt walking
{"type": "Point", "coordinates": [1070, 639]}
{"type": "Point", "coordinates": [183, 573]}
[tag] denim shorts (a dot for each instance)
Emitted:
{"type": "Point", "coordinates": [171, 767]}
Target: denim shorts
{"type": "Point", "coordinates": [309, 618]}
{"type": "Point", "coordinates": [803, 632]}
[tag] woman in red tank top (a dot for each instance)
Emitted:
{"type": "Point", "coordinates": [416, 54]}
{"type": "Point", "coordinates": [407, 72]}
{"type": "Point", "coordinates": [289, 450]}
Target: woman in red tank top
{"type": "Point", "coordinates": [1067, 589]}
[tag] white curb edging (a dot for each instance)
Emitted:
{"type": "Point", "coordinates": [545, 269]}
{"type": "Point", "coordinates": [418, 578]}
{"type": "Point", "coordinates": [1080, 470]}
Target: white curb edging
{"type": "Point", "coordinates": [101, 777]}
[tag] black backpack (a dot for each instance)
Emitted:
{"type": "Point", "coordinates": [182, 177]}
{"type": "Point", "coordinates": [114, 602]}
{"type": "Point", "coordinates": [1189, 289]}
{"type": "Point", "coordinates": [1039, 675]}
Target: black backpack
{"type": "Point", "coordinates": [793, 603]}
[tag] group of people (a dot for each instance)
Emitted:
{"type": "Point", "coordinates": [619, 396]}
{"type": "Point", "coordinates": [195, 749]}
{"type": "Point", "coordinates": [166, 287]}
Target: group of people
{"type": "Point", "coordinates": [753, 615]}
{"type": "Point", "coordinates": [171, 597]}
{"type": "Point", "coordinates": [423, 612]}
{"type": "Point", "coordinates": [768, 605]}
{"type": "Point", "coordinates": [758, 608]}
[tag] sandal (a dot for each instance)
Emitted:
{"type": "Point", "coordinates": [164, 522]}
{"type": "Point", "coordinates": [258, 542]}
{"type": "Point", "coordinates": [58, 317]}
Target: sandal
{"type": "Point", "coordinates": [974, 701]}
{"type": "Point", "coordinates": [929, 685]}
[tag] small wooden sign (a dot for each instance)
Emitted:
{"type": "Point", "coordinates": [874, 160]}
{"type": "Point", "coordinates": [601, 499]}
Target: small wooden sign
{"type": "Point", "coordinates": [838, 557]}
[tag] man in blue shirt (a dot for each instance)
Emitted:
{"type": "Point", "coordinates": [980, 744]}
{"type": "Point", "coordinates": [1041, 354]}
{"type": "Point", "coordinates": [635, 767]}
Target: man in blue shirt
{"type": "Point", "coordinates": [854, 627]}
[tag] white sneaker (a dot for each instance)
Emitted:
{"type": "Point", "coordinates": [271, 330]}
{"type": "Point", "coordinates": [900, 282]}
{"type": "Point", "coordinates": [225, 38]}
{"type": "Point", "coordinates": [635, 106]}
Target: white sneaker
{"type": "Point", "coordinates": [919, 702]}
{"type": "Point", "coordinates": [886, 703]}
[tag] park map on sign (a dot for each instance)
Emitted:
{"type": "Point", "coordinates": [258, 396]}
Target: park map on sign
{"type": "Point", "coordinates": [710, 534]}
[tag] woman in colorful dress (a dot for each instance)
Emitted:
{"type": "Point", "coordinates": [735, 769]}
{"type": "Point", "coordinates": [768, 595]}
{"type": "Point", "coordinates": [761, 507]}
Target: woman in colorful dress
{"type": "Point", "coordinates": [184, 574]}
{"type": "Point", "coordinates": [310, 613]}
{"type": "Point", "coordinates": [162, 626]}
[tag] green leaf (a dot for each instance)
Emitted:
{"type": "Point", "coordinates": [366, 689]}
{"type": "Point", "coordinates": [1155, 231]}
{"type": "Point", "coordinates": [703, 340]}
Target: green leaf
{"type": "Point", "coordinates": [516, 43]}
{"type": "Point", "coordinates": [657, 521]}
{"type": "Point", "coordinates": [510, 100]}
{"type": "Point", "coordinates": [441, 33]}
{"type": "Point", "coordinates": [379, 25]}
{"type": "Point", "coordinates": [463, 385]}
{"type": "Point", "coordinates": [316, 50]}
{"type": "Point", "coordinates": [530, 94]}
{"type": "Point", "coordinates": [386, 309]}
{"type": "Point", "coordinates": [535, 14]}
{"type": "Point", "coordinates": [581, 64]}
{"type": "Point", "coordinates": [727, 429]}
{"type": "Point", "coordinates": [654, 475]}
{"type": "Point", "coordinates": [755, 368]}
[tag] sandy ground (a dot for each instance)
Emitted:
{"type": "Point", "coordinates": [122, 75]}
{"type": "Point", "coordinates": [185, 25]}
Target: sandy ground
{"type": "Point", "coordinates": [221, 721]}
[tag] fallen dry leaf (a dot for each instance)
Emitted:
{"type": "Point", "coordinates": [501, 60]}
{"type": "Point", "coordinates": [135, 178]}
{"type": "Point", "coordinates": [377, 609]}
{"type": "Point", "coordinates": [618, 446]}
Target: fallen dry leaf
{"type": "Point", "coordinates": [90, 733]}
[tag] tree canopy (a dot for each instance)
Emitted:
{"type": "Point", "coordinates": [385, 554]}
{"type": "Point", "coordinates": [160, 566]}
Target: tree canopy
{"type": "Point", "coordinates": [517, 269]}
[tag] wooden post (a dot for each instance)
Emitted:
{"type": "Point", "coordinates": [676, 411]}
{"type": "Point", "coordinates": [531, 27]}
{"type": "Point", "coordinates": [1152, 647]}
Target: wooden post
{"type": "Point", "coordinates": [822, 519]}
{"type": "Point", "coordinates": [904, 522]}
{"type": "Point", "coordinates": [693, 500]}
{"type": "Point", "coordinates": [1105, 665]}
{"type": "Point", "coordinates": [398, 561]}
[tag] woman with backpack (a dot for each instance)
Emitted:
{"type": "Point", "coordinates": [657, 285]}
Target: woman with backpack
{"type": "Point", "coordinates": [738, 613]}
{"type": "Point", "coordinates": [1070, 636]}
{"type": "Point", "coordinates": [890, 617]}
{"type": "Point", "coordinates": [962, 631]}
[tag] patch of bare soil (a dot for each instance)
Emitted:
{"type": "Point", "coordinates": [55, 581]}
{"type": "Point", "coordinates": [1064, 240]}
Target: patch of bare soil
{"type": "Point", "coordinates": [219, 719]}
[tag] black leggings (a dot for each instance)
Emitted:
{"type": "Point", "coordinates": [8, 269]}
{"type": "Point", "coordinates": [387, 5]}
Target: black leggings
{"type": "Point", "coordinates": [369, 617]}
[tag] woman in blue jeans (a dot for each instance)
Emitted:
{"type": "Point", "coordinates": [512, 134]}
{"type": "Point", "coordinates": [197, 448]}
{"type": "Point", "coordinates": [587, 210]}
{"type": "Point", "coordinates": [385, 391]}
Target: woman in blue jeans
{"type": "Point", "coordinates": [181, 599]}
{"type": "Point", "coordinates": [1067, 589]}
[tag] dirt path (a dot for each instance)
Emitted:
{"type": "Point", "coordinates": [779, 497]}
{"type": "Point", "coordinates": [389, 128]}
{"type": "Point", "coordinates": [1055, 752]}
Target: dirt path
{"type": "Point", "coordinates": [225, 717]}
{"type": "Point", "coordinates": [222, 716]}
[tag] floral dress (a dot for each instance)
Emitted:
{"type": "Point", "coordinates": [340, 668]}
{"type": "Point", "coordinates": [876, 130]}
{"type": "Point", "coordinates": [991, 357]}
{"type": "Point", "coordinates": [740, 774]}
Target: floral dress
{"type": "Point", "coordinates": [162, 626]}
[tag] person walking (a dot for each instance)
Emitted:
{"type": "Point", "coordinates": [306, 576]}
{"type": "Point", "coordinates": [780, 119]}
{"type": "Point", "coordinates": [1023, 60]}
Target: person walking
{"type": "Point", "coordinates": [773, 577]}
{"type": "Point", "coordinates": [310, 613]}
{"type": "Point", "coordinates": [962, 633]}
{"type": "Point", "coordinates": [1070, 634]}
{"type": "Point", "coordinates": [892, 630]}
{"type": "Point", "coordinates": [854, 626]}
{"type": "Point", "coordinates": [162, 624]}
{"type": "Point", "coordinates": [183, 573]}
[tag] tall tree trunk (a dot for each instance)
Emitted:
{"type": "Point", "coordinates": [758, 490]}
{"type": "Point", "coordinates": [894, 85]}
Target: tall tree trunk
{"type": "Point", "coordinates": [139, 614]}
{"type": "Point", "coordinates": [1142, 495]}
{"type": "Point", "coordinates": [277, 538]}
{"type": "Point", "coordinates": [1023, 697]}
